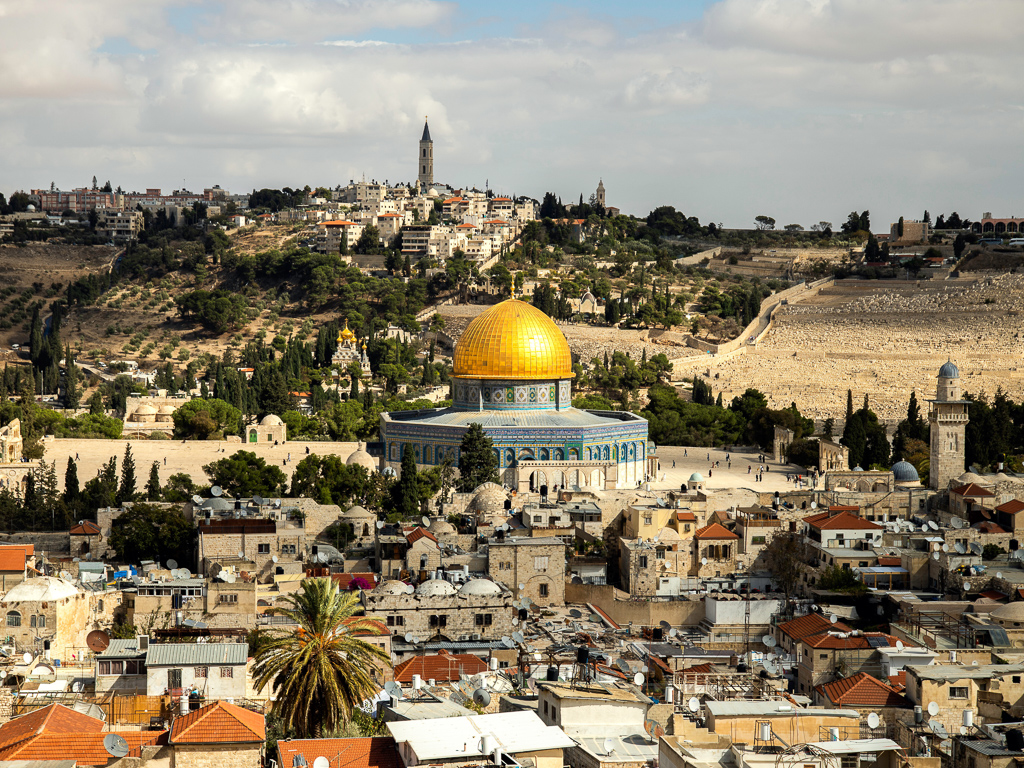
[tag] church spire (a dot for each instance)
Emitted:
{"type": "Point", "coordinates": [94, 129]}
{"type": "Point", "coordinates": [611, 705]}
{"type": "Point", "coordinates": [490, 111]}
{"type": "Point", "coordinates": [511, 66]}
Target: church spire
{"type": "Point", "coordinates": [426, 130]}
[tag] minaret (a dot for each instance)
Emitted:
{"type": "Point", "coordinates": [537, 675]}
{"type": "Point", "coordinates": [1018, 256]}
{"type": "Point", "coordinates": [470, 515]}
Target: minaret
{"type": "Point", "coordinates": [948, 422]}
{"type": "Point", "coordinates": [426, 161]}
{"type": "Point", "coordinates": [600, 193]}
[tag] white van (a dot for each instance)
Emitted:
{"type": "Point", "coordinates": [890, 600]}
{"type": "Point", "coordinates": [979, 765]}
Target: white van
{"type": "Point", "coordinates": [1017, 241]}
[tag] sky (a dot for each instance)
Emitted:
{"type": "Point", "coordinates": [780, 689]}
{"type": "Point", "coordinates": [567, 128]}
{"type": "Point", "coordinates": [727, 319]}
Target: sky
{"type": "Point", "coordinates": [802, 110]}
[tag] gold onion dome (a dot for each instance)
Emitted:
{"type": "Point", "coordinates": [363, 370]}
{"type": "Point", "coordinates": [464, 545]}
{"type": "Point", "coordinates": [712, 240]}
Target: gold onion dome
{"type": "Point", "coordinates": [346, 334]}
{"type": "Point", "coordinates": [513, 340]}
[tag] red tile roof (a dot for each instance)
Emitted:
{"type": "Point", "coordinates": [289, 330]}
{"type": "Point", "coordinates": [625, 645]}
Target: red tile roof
{"type": "Point", "coordinates": [219, 723]}
{"type": "Point", "coordinates": [83, 748]}
{"type": "Point", "coordinates": [501, 199]}
{"type": "Point", "coordinates": [972, 489]}
{"type": "Point", "coordinates": [375, 752]}
{"type": "Point", "coordinates": [344, 580]}
{"type": "Point", "coordinates": [715, 531]}
{"type": "Point", "coordinates": [861, 690]}
{"type": "Point", "coordinates": [85, 528]}
{"type": "Point", "coordinates": [440, 667]}
{"type": "Point", "coordinates": [843, 508]}
{"type": "Point", "coordinates": [418, 534]}
{"type": "Point", "coordinates": [699, 669]}
{"type": "Point", "coordinates": [898, 682]}
{"type": "Point", "coordinates": [890, 561]}
{"type": "Point", "coordinates": [686, 517]}
{"type": "Point", "coordinates": [992, 594]}
{"type": "Point", "coordinates": [858, 642]}
{"type": "Point", "coordinates": [55, 718]}
{"type": "Point", "coordinates": [1012, 507]}
{"type": "Point", "coordinates": [844, 521]}
{"type": "Point", "coordinates": [811, 624]}
{"type": "Point", "coordinates": [338, 223]}
{"type": "Point", "coordinates": [987, 526]}
{"type": "Point", "coordinates": [12, 559]}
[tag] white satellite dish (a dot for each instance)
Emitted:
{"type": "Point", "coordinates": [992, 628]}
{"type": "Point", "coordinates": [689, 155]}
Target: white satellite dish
{"type": "Point", "coordinates": [321, 762]}
{"type": "Point", "coordinates": [933, 709]}
{"type": "Point", "coordinates": [26, 657]}
{"type": "Point", "coordinates": [967, 586]}
{"type": "Point", "coordinates": [241, 555]}
{"type": "Point", "coordinates": [945, 547]}
{"type": "Point", "coordinates": [960, 548]}
{"type": "Point", "coordinates": [933, 525]}
{"type": "Point", "coordinates": [522, 586]}
{"type": "Point", "coordinates": [703, 561]}
{"type": "Point", "coordinates": [217, 490]}
{"type": "Point", "coordinates": [426, 521]}
{"type": "Point", "coordinates": [638, 678]}
{"type": "Point", "coordinates": [963, 730]}
{"type": "Point", "coordinates": [899, 645]}
{"type": "Point", "coordinates": [693, 704]}
{"type": "Point", "coordinates": [957, 523]}
{"type": "Point", "coordinates": [873, 720]}
{"type": "Point", "coordinates": [935, 555]}
{"type": "Point", "coordinates": [274, 558]}
{"type": "Point", "coordinates": [833, 618]}
{"type": "Point", "coordinates": [999, 574]}
{"type": "Point", "coordinates": [609, 745]}
{"type": "Point", "coordinates": [769, 641]}
{"type": "Point", "coordinates": [814, 505]}
{"type": "Point", "coordinates": [380, 524]}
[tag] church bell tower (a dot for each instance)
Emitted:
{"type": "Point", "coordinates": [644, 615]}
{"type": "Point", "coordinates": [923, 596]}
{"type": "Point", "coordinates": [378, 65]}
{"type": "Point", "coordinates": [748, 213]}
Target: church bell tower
{"type": "Point", "coordinates": [425, 176]}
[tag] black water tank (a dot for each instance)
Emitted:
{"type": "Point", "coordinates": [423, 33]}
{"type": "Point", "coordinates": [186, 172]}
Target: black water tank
{"type": "Point", "coordinates": [552, 674]}
{"type": "Point", "coordinates": [1015, 740]}
{"type": "Point", "coordinates": [741, 667]}
{"type": "Point", "coordinates": [582, 654]}
{"type": "Point", "coordinates": [657, 633]}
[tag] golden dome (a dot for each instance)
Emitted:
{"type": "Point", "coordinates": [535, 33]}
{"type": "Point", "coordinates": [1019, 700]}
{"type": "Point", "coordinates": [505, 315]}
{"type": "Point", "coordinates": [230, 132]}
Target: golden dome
{"type": "Point", "coordinates": [346, 334]}
{"type": "Point", "coordinates": [513, 340]}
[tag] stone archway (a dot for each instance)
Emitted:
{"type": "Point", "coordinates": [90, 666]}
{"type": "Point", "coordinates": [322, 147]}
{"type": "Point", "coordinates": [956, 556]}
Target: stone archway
{"type": "Point", "coordinates": [538, 479]}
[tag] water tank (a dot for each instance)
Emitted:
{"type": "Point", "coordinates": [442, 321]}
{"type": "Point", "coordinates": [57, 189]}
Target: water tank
{"type": "Point", "coordinates": [833, 734]}
{"type": "Point", "coordinates": [486, 744]}
{"type": "Point", "coordinates": [582, 654]}
{"type": "Point", "coordinates": [552, 674]}
{"type": "Point", "coordinates": [918, 715]}
{"type": "Point", "coordinates": [968, 718]}
{"type": "Point", "coordinates": [417, 682]}
{"type": "Point", "coordinates": [1015, 740]}
{"type": "Point", "coordinates": [765, 731]}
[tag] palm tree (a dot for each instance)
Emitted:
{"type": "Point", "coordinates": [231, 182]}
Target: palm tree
{"type": "Point", "coordinates": [321, 670]}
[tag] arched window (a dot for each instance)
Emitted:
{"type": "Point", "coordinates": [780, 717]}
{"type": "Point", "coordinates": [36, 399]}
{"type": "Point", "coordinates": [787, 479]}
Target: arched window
{"type": "Point", "coordinates": [42, 620]}
{"type": "Point", "coordinates": [13, 619]}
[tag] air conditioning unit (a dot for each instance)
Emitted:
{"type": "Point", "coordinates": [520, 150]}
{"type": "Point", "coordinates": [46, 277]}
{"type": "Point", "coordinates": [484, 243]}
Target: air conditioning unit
{"type": "Point", "coordinates": [475, 636]}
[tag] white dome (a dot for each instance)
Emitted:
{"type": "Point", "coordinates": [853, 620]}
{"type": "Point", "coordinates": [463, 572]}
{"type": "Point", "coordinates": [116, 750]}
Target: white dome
{"type": "Point", "coordinates": [480, 587]}
{"type": "Point", "coordinates": [442, 526]}
{"type": "Point", "coordinates": [357, 512]}
{"type": "Point", "coordinates": [436, 588]}
{"type": "Point", "coordinates": [359, 457]}
{"type": "Point", "coordinates": [392, 588]}
{"type": "Point", "coordinates": [41, 588]}
{"type": "Point", "coordinates": [433, 193]}
{"type": "Point", "coordinates": [147, 409]}
{"type": "Point", "coordinates": [270, 420]}
{"type": "Point", "coordinates": [489, 497]}
{"type": "Point", "coordinates": [1009, 612]}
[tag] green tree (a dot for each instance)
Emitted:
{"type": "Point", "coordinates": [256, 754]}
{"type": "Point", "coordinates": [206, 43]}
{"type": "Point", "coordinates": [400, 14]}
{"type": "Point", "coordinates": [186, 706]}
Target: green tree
{"type": "Point", "coordinates": [149, 532]}
{"type": "Point", "coordinates": [478, 463]}
{"type": "Point", "coordinates": [126, 491]}
{"type": "Point", "coordinates": [764, 222]}
{"type": "Point", "coordinates": [243, 474]}
{"type": "Point", "coordinates": [153, 485]}
{"type": "Point", "coordinates": [407, 491]}
{"type": "Point", "coordinates": [783, 558]}
{"type": "Point", "coordinates": [72, 490]}
{"type": "Point", "coordinates": [72, 390]}
{"type": "Point", "coordinates": [200, 419]}
{"type": "Point", "coordinates": [96, 404]}
{"type": "Point", "coordinates": [322, 670]}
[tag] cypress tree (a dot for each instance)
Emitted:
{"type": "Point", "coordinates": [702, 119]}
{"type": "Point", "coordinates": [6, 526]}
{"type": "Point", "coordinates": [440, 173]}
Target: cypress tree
{"type": "Point", "coordinates": [72, 490]}
{"type": "Point", "coordinates": [407, 491]}
{"type": "Point", "coordinates": [849, 405]}
{"type": "Point", "coordinates": [127, 490]}
{"type": "Point", "coordinates": [153, 486]}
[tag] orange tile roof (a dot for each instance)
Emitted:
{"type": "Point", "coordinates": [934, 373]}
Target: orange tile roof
{"type": "Point", "coordinates": [1012, 507]}
{"type": "Point", "coordinates": [454, 200]}
{"type": "Point", "coordinates": [219, 723]}
{"type": "Point", "coordinates": [418, 534]}
{"type": "Point", "coordinates": [686, 517]}
{"type": "Point", "coordinates": [55, 718]}
{"type": "Point", "coordinates": [388, 216]}
{"type": "Point", "coordinates": [372, 752]}
{"type": "Point", "coordinates": [972, 489]}
{"type": "Point", "coordinates": [338, 223]}
{"type": "Point", "coordinates": [12, 559]}
{"type": "Point", "coordinates": [898, 682]}
{"type": "Point", "coordinates": [466, 226]}
{"type": "Point", "coordinates": [440, 667]}
{"type": "Point", "coordinates": [715, 531]}
{"type": "Point", "coordinates": [699, 669]}
{"type": "Point", "coordinates": [344, 580]}
{"type": "Point", "coordinates": [85, 528]}
{"type": "Point", "coordinates": [83, 748]}
{"type": "Point", "coordinates": [843, 508]}
{"type": "Point", "coordinates": [811, 624]}
{"type": "Point", "coordinates": [857, 642]}
{"type": "Point", "coordinates": [501, 199]}
{"type": "Point", "coordinates": [861, 690]}
{"type": "Point", "coordinates": [844, 521]}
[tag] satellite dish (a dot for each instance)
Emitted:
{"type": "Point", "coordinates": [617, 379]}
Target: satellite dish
{"type": "Point", "coordinates": [769, 641]}
{"type": "Point", "coordinates": [665, 625]}
{"type": "Point", "coordinates": [26, 657]}
{"type": "Point", "coordinates": [999, 574]}
{"type": "Point", "coordinates": [241, 555]}
{"type": "Point", "coordinates": [426, 521]}
{"type": "Point", "coordinates": [576, 614]}
{"type": "Point", "coordinates": [172, 565]}
{"type": "Point", "coordinates": [945, 547]}
{"type": "Point", "coordinates": [967, 586]}
{"type": "Point", "coordinates": [873, 720]}
{"type": "Point", "coordinates": [638, 678]}
{"type": "Point", "coordinates": [833, 618]}
{"type": "Point", "coordinates": [274, 558]}
{"type": "Point", "coordinates": [770, 668]}
{"type": "Point", "coordinates": [522, 586]}
{"type": "Point", "coordinates": [217, 490]}
{"type": "Point", "coordinates": [963, 730]}
{"type": "Point", "coordinates": [321, 762]}
{"type": "Point", "coordinates": [197, 499]}
{"type": "Point", "coordinates": [933, 525]}
{"type": "Point", "coordinates": [673, 632]}
{"type": "Point", "coordinates": [115, 745]}
{"type": "Point", "coordinates": [3, 674]}
{"type": "Point", "coordinates": [229, 578]}
{"type": "Point", "coordinates": [935, 555]}
{"type": "Point", "coordinates": [393, 689]}
{"type": "Point", "coordinates": [518, 637]}
{"type": "Point", "coordinates": [703, 561]}
{"type": "Point", "coordinates": [380, 524]}
{"type": "Point", "coordinates": [408, 637]}
{"type": "Point", "coordinates": [97, 640]}
{"type": "Point", "coordinates": [976, 548]}
{"type": "Point", "coordinates": [515, 622]}
{"type": "Point", "coordinates": [814, 505]}
{"type": "Point", "coordinates": [482, 697]}
{"type": "Point", "coordinates": [259, 502]}
{"type": "Point", "coordinates": [899, 647]}
{"type": "Point", "coordinates": [933, 709]}
{"type": "Point", "coordinates": [957, 523]}
{"type": "Point", "coordinates": [693, 704]}
{"type": "Point", "coordinates": [609, 745]}
{"type": "Point", "coordinates": [960, 548]}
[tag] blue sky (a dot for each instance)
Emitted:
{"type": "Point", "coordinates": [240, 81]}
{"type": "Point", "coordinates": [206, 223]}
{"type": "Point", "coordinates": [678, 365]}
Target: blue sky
{"type": "Point", "coordinates": [799, 109]}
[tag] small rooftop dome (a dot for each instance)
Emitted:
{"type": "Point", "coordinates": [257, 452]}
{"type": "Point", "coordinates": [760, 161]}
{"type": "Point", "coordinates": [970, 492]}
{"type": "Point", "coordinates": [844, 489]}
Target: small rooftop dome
{"type": "Point", "coordinates": [442, 526]}
{"type": "Point", "coordinates": [436, 588]}
{"type": "Point", "coordinates": [904, 472]}
{"type": "Point", "coordinates": [146, 408]}
{"type": "Point", "coordinates": [480, 587]}
{"type": "Point", "coordinates": [489, 497]}
{"type": "Point", "coordinates": [949, 371]}
{"type": "Point", "coordinates": [393, 587]}
{"type": "Point", "coordinates": [696, 477]}
{"type": "Point", "coordinates": [858, 468]}
{"type": "Point", "coordinates": [357, 511]}
{"type": "Point", "coordinates": [361, 458]}
{"type": "Point", "coordinates": [270, 420]}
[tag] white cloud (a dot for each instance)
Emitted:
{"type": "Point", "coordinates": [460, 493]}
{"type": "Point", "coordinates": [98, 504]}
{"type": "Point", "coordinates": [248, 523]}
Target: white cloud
{"type": "Point", "coordinates": [802, 110]}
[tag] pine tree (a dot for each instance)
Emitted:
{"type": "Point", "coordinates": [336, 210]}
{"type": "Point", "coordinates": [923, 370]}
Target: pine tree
{"type": "Point", "coordinates": [126, 492]}
{"type": "Point", "coordinates": [96, 403]}
{"type": "Point", "coordinates": [153, 486]}
{"type": "Point", "coordinates": [478, 463]}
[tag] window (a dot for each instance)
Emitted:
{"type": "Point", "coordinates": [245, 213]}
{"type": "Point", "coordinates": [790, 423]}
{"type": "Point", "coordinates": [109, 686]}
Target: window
{"type": "Point", "coordinates": [32, 621]}
{"type": "Point", "coordinates": [659, 554]}
{"type": "Point", "coordinates": [543, 590]}
{"type": "Point", "coordinates": [538, 518]}
{"type": "Point", "coordinates": [202, 671]}
{"type": "Point", "coordinates": [757, 540]}
{"type": "Point", "coordinates": [483, 619]}
{"type": "Point", "coordinates": [823, 656]}
{"type": "Point", "coordinates": [227, 672]}
{"type": "Point", "coordinates": [957, 693]}
{"type": "Point", "coordinates": [438, 621]}
{"type": "Point", "coordinates": [287, 549]}
{"type": "Point", "coordinates": [117, 667]}
{"type": "Point", "coordinates": [13, 619]}
{"type": "Point", "coordinates": [396, 621]}
{"type": "Point", "coordinates": [231, 598]}
{"type": "Point", "coordinates": [540, 563]}
{"type": "Point", "coordinates": [862, 564]}
{"type": "Point", "coordinates": [1016, 678]}
{"type": "Point", "coordinates": [262, 549]}
{"type": "Point", "coordinates": [134, 667]}
{"type": "Point", "coordinates": [554, 713]}
{"type": "Point", "coordinates": [104, 667]}
{"type": "Point", "coordinates": [648, 520]}
{"type": "Point", "coordinates": [42, 621]}
{"type": "Point", "coordinates": [643, 561]}
{"type": "Point", "coordinates": [545, 708]}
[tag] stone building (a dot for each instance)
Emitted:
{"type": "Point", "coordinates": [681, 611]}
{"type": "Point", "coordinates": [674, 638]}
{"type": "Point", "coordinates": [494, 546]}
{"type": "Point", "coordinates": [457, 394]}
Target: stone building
{"type": "Point", "coordinates": [216, 670]}
{"type": "Point", "coordinates": [15, 560]}
{"type": "Point", "coordinates": [215, 604]}
{"type": "Point", "coordinates": [538, 564]}
{"type": "Point", "coordinates": [425, 161]}
{"type": "Point", "coordinates": [948, 421]}
{"type": "Point", "coordinates": [715, 551]}
{"type": "Point", "coordinates": [217, 735]}
{"type": "Point", "coordinates": [49, 611]}
{"type": "Point", "coordinates": [86, 540]}
{"type": "Point", "coordinates": [11, 442]}
{"type": "Point", "coordinates": [348, 352]}
{"type": "Point", "coordinates": [154, 412]}
{"type": "Point", "coordinates": [270, 430]}
{"type": "Point", "coordinates": [479, 610]}
{"type": "Point", "coordinates": [263, 547]}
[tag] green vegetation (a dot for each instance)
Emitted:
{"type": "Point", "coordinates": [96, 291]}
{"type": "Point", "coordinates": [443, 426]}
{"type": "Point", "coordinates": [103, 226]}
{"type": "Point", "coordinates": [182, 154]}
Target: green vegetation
{"type": "Point", "coordinates": [149, 532]}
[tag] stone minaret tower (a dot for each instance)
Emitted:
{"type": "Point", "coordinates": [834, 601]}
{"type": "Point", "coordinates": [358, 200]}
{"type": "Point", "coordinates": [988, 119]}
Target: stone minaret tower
{"type": "Point", "coordinates": [948, 421]}
{"type": "Point", "coordinates": [600, 192]}
{"type": "Point", "coordinates": [426, 161]}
